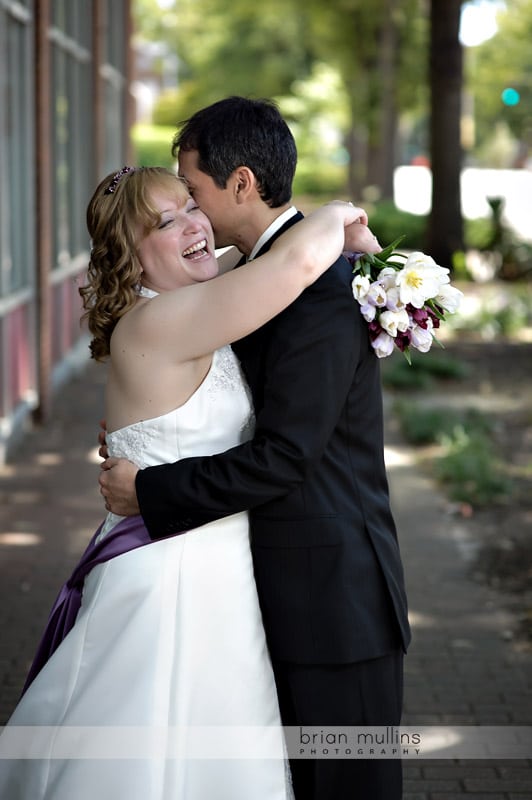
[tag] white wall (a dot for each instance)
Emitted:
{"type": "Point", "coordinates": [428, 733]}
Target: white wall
{"type": "Point", "coordinates": [413, 188]}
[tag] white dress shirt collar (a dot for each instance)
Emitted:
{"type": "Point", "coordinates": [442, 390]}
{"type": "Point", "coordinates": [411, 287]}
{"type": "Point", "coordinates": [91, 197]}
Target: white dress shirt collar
{"type": "Point", "coordinates": [271, 230]}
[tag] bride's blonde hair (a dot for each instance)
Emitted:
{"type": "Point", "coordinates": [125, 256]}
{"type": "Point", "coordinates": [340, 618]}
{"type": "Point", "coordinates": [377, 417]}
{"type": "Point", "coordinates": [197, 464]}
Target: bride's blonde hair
{"type": "Point", "coordinates": [119, 215]}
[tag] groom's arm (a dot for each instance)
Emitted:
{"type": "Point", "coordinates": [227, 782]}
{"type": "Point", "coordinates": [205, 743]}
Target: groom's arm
{"type": "Point", "coordinates": [310, 364]}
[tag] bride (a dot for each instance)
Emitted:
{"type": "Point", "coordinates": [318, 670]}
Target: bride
{"type": "Point", "coordinates": [167, 645]}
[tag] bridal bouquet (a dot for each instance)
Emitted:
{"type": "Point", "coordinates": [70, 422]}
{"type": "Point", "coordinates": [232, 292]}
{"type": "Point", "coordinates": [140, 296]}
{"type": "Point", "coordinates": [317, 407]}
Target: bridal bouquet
{"type": "Point", "coordinates": [402, 298]}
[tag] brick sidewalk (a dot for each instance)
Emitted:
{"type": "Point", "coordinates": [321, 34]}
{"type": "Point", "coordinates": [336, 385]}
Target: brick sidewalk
{"type": "Point", "coordinates": [461, 668]}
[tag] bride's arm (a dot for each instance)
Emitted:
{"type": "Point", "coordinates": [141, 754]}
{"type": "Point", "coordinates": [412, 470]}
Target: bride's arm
{"type": "Point", "coordinates": [195, 320]}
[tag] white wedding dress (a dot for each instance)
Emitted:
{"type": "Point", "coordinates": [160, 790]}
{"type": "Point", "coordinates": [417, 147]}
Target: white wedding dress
{"type": "Point", "coordinates": [168, 642]}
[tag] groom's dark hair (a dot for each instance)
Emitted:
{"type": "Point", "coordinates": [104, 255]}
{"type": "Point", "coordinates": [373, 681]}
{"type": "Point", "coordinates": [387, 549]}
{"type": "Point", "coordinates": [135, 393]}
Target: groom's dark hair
{"type": "Point", "coordinates": [239, 132]}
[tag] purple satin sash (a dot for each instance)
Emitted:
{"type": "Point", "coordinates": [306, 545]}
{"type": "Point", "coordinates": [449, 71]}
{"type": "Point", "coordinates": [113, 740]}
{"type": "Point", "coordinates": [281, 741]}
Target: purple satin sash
{"type": "Point", "coordinates": [127, 535]}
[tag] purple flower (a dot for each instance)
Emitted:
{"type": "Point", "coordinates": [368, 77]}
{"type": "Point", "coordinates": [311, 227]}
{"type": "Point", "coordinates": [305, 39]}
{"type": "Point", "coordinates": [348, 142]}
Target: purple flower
{"type": "Point", "coordinates": [402, 341]}
{"type": "Point", "coordinates": [419, 315]}
{"type": "Point", "coordinates": [435, 320]}
{"type": "Point", "coordinates": [374, 329]}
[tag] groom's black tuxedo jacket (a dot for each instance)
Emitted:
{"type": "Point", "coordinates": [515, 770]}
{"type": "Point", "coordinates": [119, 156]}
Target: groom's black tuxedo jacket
{"type": "Point", "coordinates": [325, 552]}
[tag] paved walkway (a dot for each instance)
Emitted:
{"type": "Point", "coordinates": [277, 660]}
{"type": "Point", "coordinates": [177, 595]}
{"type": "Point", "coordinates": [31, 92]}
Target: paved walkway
{"type": "Point", "coordinates": [461, 669]}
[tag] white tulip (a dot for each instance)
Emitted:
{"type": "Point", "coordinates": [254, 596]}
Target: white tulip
{"type": "Point", "coordinates": [383, 345]}
{"type": "Point", "coordinates": [420, 279]}
{"type": "Point", "coordinates": [393, 321]}
{"type": "Point", "coordinates": [376, 295]}
{"type": "Point", "coordinates": [387, 277]}
{"type": "Point", "coordinates": [360, 285]}
{"type": "Point", "coordinates": [393, 299]}
{"type": "Point", "coordinates": [421, 338]}
{"type": "Point", "coordinates": [368, 311]}
{"type": "Point", "coordinates": [449, 298]}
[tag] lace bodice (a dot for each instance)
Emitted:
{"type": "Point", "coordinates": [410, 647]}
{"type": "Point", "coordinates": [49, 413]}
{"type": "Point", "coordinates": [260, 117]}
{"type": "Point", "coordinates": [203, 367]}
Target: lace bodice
{"type": "Point", "coordinates": [217, 416]}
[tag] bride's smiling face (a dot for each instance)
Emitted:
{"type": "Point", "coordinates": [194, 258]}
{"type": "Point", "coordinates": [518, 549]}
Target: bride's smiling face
{"type": "Point", "coordinates": [179, 251]}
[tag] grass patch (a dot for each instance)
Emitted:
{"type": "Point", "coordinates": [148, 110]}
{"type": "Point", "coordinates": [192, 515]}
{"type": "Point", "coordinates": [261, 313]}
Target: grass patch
{"type": "Point", "coordinates": [421, 425]}
{"type": "Point", "coordinates": [471, 470]}
{"type": "Point", "coordinates": [398, 374]}
{"type": "Point", "coordinates": [424, 426]}
{"type": "Point", "coordinates": [468, 466]}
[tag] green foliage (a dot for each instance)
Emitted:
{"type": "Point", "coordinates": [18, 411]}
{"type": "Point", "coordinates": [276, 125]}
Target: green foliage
{"type": "Point", "coordinates": [350, 36]}
{"type": "Point", "coordinates": [398, 374]}
{"type": "Point", "coordinates": [319, 179]}
{"type": "Point", "coordinates": [423, 426]}
{"type": "Point", "coordinates": [471, 469]}
{"type": "Point", "coordinates": [421, 374]}
{"type": "Point", "coordinates": [275, 49]}
{"type": "Point", "coordinates": [389, 223]}
{"type": "Point", "coordinates": [468, 464]}
{"type": "Point", "coordinates": [459, 266]}
{"type": "Point", "coordinates": [237, 47]}
{"type": "Point", "coordinates": [367, 42]}
{"type": "Point", "coordinates": [315, 112]}
{"type": "Point", "coordinates": [152, 145]}
{"type": "Point", "coordinates": [491, 70]}
{"type": "Point", "coordinates": [428, 425]}
{"type": "Point", "coordinates": [478, 233]}
{"type": "Point", "coordinates": [166, 111]}
{"type": "Point", "coordinates": [510, 320]}
{"type": "Point", "coordinates": [154, 23]}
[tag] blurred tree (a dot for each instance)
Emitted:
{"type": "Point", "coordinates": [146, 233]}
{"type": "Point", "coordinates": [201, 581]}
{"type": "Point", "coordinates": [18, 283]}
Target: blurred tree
{"type": "Point", "coordinates": [155, 21]}
{"type": "Point", "coordinates": [504, 62]}
{"type": "Point", "coordinates": [236, 47]}
{"type": "Point", "coordinates": [317, 112]}
{"type": "Point", "coordinates": [445, 231]}
{"type": "Point", "coordinates": [370, 42]}
{"type": "Point", "coordinates": [272, 49]}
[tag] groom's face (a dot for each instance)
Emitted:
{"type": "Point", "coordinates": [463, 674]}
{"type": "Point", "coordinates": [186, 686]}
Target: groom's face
{"type": "Point", "coordinates": [213, 201]}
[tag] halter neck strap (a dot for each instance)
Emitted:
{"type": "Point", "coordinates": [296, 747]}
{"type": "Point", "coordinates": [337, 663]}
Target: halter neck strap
{"type": "Point", "coordinates": [143, 291]}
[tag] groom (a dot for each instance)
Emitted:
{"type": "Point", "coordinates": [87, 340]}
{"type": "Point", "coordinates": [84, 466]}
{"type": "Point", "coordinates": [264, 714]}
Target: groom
{"type": "Point", "coordinates": [325, 551]}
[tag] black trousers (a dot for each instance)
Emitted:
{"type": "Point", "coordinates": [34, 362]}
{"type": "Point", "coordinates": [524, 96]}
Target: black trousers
{"type": "Point", "coordinates": [365, 693]}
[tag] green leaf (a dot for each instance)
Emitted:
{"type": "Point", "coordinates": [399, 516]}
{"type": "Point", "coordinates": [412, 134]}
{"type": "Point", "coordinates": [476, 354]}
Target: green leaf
{"type": "Point", "coordinates": [435, 310]}
{"type": "Point", "coordinates": [440, 344]}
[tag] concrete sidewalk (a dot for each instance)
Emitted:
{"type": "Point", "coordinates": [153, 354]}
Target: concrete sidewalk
{"type": "Point", "coordinates": [461, 668]}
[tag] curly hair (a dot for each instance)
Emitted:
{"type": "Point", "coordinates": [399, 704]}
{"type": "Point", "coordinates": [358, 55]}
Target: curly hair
{"type": "Point", "coordinates": [119, 215]}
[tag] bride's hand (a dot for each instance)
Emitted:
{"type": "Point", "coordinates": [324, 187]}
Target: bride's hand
{"type": "Point", "coordinates": [360, 216]}
{"type": "Point", "coordinates": [358, 236]}
{"type": "Point", "coordinates": [360, 239]}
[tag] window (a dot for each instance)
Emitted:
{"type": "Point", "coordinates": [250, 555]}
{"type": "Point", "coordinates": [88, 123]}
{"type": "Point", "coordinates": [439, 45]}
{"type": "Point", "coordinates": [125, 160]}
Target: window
{"type": "Point", "coordinates": [71, 125]}
{"type": "Point", "coordinates": [17, 216]}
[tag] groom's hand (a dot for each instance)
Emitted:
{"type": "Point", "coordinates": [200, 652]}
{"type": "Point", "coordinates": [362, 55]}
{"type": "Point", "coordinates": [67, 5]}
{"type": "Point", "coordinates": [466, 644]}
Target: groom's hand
{"type": "Point", "coordinates": [117, 485]}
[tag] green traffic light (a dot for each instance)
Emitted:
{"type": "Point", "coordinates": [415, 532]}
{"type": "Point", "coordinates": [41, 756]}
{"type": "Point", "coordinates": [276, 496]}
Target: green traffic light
{"type": "Point", "coordinates": [510, 97]}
